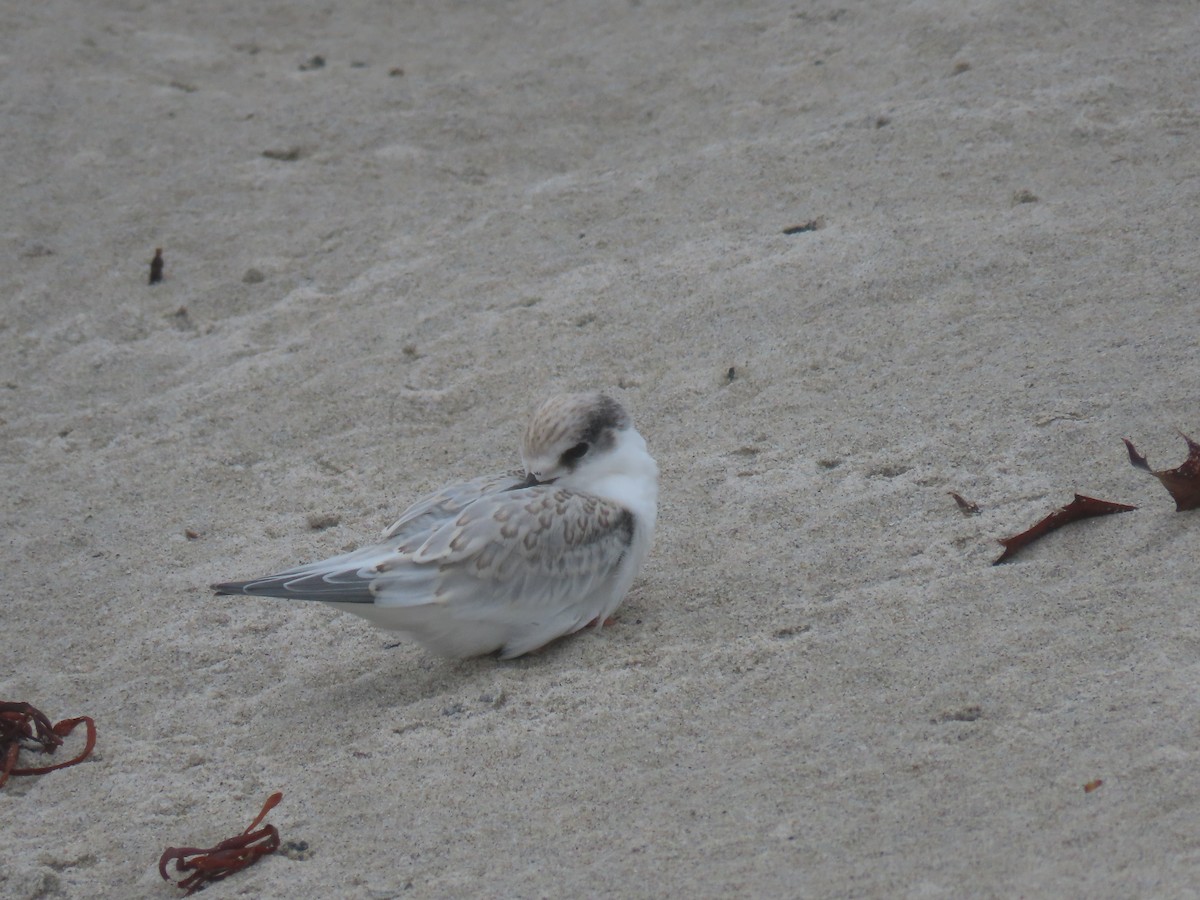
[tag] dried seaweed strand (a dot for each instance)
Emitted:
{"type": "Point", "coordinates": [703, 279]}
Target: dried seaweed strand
{"type": "Point", "coordinates": [1080, 508]}
{"type": "Point", "coordinates": [1183, 482]}
{"type": "Point", "coordinates": [22, 724]}
{"type": "Point", "coordinates": [229, 856]}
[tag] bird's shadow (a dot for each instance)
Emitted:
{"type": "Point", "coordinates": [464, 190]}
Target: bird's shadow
{"type": "Point", "coordinates": [395, 676]}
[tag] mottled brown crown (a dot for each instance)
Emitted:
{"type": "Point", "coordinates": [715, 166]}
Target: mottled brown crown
{"type": "Point", "coordinates": [569, 419]}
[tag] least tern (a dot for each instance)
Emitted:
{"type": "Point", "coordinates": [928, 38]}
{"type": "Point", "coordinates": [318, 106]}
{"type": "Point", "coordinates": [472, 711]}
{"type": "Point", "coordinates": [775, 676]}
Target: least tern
{"type": "Point", "coordinates": [505, 562]}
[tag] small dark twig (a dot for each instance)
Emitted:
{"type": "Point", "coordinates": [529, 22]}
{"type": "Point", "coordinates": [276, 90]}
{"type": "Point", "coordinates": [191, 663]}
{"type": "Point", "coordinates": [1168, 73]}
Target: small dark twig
{"type": "Point", "coordinates": [965, 506]}
{"type": "Point", "coordinates": [810, 225]}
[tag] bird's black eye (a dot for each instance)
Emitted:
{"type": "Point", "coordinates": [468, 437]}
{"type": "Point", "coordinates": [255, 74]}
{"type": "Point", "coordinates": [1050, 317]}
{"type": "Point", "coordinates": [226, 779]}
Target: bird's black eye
{"type": "Point", "coordinates": [576, 453]}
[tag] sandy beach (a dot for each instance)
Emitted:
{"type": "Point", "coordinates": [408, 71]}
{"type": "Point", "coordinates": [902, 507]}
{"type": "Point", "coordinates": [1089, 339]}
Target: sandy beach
{"type": "Point", "coordinates": [837, 259]}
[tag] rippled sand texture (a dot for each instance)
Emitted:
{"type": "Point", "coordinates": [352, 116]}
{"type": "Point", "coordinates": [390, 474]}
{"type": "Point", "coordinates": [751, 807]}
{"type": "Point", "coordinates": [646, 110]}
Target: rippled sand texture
{"type": "Point", "coordinates": [375, 265]}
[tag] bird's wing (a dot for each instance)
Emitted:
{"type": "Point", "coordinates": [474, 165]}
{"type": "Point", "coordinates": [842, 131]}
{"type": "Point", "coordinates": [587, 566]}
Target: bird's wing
{"type": "Point", "coordinates": [532, 532]}
{"type": "Point", "coordinates": [532, 564]}
{"type": "Point", "coordinates": [536, 549]}
{"type": "Point", "coordinates": [448, 502]}
{"type": "Point", "coordinates": [347, 578]}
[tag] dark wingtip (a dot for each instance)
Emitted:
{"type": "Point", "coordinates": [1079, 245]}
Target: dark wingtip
{"type": "Point", "coordinates": [228, 588]}
{"type": "Point", "coordinates": [531, 480]}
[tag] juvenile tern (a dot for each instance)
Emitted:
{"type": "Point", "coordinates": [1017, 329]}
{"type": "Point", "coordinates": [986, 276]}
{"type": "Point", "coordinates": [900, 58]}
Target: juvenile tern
{"type": "Point", "coordinates": [505, 562]}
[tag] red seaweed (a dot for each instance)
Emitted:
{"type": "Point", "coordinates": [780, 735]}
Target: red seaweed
{"type": "Point", "coordinates": [22, 725]}
{"type": "Point", "coordinates": [229, 856]}
{"type": "Point", "coordinates": [1183, 483]}
{"type": "Point", "coordinates": [1080, 508]}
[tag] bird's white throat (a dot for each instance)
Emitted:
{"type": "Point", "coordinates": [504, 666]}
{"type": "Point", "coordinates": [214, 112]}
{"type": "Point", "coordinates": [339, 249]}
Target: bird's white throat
{"type": "Point", "coordinates": [625, 474]}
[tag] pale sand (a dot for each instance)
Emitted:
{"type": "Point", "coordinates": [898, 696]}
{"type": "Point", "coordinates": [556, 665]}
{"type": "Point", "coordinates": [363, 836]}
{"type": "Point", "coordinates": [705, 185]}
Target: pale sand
{"type": "Point", "coordinates": [593, 194]}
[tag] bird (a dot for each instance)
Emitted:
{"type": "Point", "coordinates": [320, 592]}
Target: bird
{"type": "Point", "coordinates": [509, 562]}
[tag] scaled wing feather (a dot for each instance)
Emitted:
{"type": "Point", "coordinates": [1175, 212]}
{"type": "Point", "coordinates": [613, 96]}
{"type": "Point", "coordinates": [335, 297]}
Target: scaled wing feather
{"type": "Point", "coordinates": [448, 502]}
{"type": "Point", "coordinates": [348, 578]}
{"type": "Point", "coordinates": [537, 546]}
